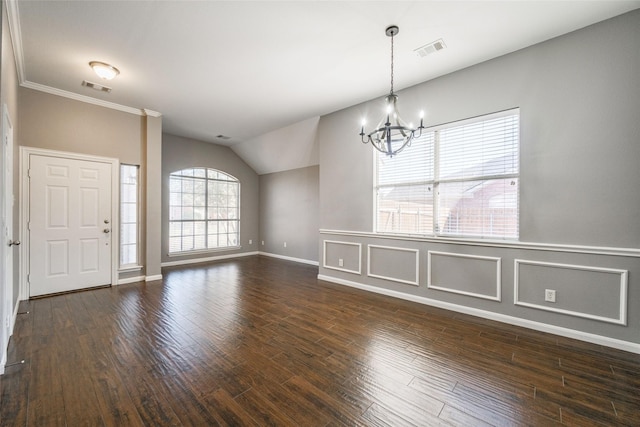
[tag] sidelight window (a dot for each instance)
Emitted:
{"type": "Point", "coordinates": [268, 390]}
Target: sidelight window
{"type": "Point", "coordinates": [129, 216]}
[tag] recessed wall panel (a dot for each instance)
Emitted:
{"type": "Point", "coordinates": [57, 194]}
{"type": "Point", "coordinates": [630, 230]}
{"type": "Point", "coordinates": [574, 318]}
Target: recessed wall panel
{"type": "Point", "coordinates": [343, 256]}
{"type": "Point", "coordinates": [472, 275]}
{"type": "Point", "coordinates": [395, 264]}
{"type": "Point", "coordinates": [583, 291]}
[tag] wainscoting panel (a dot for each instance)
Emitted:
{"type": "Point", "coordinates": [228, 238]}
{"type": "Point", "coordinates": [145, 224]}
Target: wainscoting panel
{"type": "Point", "coordinates": [472, 275]}
{"type": "Point", "coordinates": [342, 256]}
{"type": "Point", "coordinates": [583, 291]}
{"type": "Point", "coordinates": [396, 264]}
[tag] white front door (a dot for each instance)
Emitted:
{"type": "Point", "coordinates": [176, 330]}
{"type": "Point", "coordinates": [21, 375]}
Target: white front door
{"type": "Point", "coordinates": [69, 224]}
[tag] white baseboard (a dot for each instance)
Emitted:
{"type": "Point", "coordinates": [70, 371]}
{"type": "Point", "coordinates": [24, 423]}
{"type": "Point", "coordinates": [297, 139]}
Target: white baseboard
{"type": "Point", "coordinates": [207, 259]}
{"type": "Point", "coordinates": [543, 327]}
{"type": "Point", "coordinates": [3, 357]}
{"type": "Point", "coordinates": [152, 278]}
{"type": "Point", "coordinates": [288, 258]}
{"type": "Point", "coordinates": [131, 280]}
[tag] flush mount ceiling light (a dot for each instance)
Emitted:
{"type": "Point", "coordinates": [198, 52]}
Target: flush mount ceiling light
{"type": "Point", "coordinates": [391, 135]}
{"type": "Point", "coordinates": [104, 70]}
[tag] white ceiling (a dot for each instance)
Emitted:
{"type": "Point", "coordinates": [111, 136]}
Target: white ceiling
{"type": "Point", "coordinates": [246, 68]}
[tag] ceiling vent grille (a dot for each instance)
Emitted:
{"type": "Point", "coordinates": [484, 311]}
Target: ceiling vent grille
{"type": "Point", "coordinates": [96, 86]}
{"type": "Point", "coordinates": [430, 48]}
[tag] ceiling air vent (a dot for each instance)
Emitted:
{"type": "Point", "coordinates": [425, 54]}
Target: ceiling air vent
{"type": "Point", "coordinates": [96, 86]}
{"type": "Point", "coordinates": [430, 48]}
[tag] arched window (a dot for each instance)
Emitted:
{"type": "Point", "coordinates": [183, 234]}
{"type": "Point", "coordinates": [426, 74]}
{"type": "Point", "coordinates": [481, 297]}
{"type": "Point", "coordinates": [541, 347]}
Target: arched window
{"type": "Point", "coordinates": [204, 210]}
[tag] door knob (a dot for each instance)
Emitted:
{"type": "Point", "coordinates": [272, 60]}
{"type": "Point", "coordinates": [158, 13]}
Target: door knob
{"type": "Point", "coordinates": [14, 243]}
{"type": "Point", "coordinates": [106, 231]}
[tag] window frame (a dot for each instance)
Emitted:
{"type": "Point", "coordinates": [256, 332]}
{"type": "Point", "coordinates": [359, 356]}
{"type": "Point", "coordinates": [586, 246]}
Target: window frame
{"type": "Point", "coordinates": [135, 265]}
{"type": "Point", "coordinates": [434, 182]}
{"type": "Point", "coordinates": [230, 179]}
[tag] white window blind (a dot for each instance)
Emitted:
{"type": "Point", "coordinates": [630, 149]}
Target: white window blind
{"type": "Point", "coordinates": [460, 179]}
{"type": "Point", "coordinates": [204, 210]}
{"type": "Point", "coordinates": [405, 189]}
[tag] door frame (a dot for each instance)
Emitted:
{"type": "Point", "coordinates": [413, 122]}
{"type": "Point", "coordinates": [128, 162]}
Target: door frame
{"type": "Point", "coordinates": [25, 155]}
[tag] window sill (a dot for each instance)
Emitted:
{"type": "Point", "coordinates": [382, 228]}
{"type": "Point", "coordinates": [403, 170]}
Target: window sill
{"type": "Point", "coordinates": [203, 251]}
{"type": "Point", "coordinates": [129, 268]}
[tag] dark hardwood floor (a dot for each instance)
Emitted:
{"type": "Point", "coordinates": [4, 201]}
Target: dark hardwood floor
{"type": "Point", "coordinates": [260, 341]}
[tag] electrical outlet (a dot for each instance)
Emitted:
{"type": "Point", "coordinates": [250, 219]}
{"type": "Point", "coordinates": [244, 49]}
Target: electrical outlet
{"type": "Point", "coordinates": [340, 262]}
{"type": "Point", "coordinates": [550, 295]}
{"type": "Point", "coordinates": [250, 242]}
{"type": "Point", "coordinates": [285, 244]}
{"type": "Point", "coordinates": [263, 243]}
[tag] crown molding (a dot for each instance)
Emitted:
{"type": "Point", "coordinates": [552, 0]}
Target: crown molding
{"type": "Point", "coordinates": [15, 31]}
{"type": "Point", "coordinates": [16, 37]}
{"type": "Point", "coordinates": [151, 113]}
{"type": "Point", "coordinates": [82, 98]}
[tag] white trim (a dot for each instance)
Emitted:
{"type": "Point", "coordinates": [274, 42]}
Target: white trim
{"type": "Point", "coordinates": [150, 113]}
{"type": "Point", "coordinates": [595, 250]}
{"type": "Point", "coordinates": [4, 352]}
{"type": "Point", "coordinates": [497, 297]}
{"type": "Point", "coordinates": [152, 278]}
{"type": "Point", "coordinates": [126, 269]}
{"type": "Point", "coordinates": [203, 251]}
{"type": "Point", "coordinates": [416, 282]}
{"type": "Point", "coordinates": [207, 259]}
{"type": "Point", "coordinates": [82, 98]}
{"type": "Point", "coordinates": [131, 280]}
{"type": "Point", "coordinates": [542, 327]}
{"type": "Point", "coordinates": [622, 308]}
{"type": "Point", "coordinates": [346, 270]}
{"type": "Point", "coordinates": [25, 154]}
{"type": "Point", "coordinates": [288, 258]}
{"type": "Point", "coordinates": [13, 17]}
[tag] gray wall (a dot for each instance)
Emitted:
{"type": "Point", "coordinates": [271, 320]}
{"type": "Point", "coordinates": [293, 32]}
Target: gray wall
{"type": "Point", "coordinates": [56, 123]}
{"type": "Point", "coordinates": [289, 213]}
{"type": "Point", "coordinates": [579, 100]}
{"type": "Point", "coordinates": [179, 153]}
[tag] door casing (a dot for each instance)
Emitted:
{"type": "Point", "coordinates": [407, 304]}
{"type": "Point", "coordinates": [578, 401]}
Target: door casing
{"type": "Point", "coordinates": [25, 153]}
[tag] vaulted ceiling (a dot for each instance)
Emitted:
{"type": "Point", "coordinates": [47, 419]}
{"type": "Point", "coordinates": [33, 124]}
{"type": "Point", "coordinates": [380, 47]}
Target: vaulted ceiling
{"type": "Point", "coordinates": [243, 69]}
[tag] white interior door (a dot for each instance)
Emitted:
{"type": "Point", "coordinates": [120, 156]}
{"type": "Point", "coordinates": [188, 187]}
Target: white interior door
{"type": "Point", "coordinates": [69, 224]}
{"type": "Point", "coordinates": [6, 251]}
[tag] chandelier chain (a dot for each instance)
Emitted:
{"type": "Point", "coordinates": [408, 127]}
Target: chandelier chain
{"type": "Point", "coordinates": [391, 64]}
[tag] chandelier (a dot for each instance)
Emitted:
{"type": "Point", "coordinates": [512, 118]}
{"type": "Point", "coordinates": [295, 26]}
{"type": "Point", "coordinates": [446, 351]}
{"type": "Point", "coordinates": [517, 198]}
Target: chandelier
{"type": "Point", "coordinates": [391, 135]}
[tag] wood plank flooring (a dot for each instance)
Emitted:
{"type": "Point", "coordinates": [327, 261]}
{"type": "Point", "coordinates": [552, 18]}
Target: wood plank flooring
{"type": "Point", "coordinates": [259, 341]}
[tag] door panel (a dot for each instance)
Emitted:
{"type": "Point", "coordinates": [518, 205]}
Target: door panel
{"type": "Point", "coordinates": [69, 224]}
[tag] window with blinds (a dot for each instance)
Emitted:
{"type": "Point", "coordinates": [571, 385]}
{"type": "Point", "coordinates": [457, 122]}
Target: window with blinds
{"type": "Point", "coordinates": [460, 180]}
{"type": "Point", "coordinates": [204, 210]}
